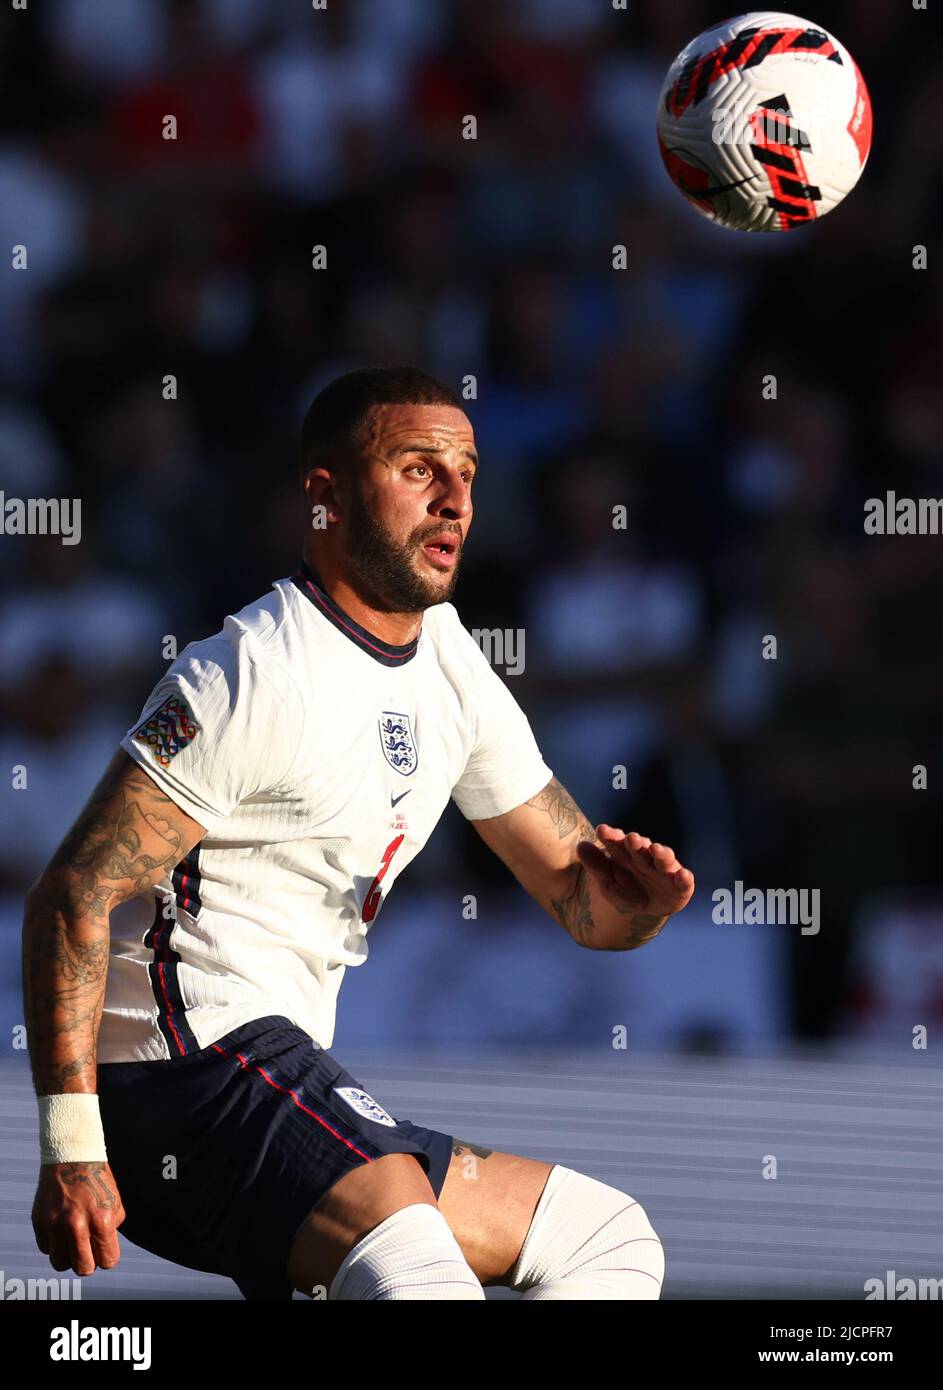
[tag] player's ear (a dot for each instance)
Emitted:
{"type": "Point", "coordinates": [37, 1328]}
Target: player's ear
{"type": "Point", "coordinates": [320, 493]}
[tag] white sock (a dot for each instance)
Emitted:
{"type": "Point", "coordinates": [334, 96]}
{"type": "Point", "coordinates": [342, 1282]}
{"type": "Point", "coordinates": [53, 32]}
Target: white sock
{"type": "Point", "coordinates": [412, 1254]}
{"type": "Point", "coordinates": [588, 1241]}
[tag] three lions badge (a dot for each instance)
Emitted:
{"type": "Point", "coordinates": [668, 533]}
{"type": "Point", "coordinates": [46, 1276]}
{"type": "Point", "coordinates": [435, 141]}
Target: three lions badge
{"type": "Point", "coordinates": [364, 1105]}
{"type": "Point", "coordinates": [399, 746]}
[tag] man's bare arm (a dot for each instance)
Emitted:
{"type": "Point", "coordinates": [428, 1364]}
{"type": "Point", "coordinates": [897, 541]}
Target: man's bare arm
{"type": "Point", "coordinates": [612, 892]}
{"type": "Point", "coordinates": [129, 835]}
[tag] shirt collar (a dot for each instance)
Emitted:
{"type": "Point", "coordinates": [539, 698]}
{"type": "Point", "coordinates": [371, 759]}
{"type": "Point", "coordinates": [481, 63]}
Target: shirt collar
{"type": "Point", "coordinates": [386, 653]}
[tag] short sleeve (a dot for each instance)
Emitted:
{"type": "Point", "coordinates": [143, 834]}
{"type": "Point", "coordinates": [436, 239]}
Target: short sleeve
{"type": "Point", "coordinates": [505, 767]}
{"type": "Point", "coordinates": [217, 729]}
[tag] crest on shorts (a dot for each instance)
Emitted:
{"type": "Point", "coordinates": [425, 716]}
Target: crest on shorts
{"type": "Point", "coordinates": [168, 729]}
{"type": "Point", "coordinates": [399, 747]}
{"type": "Point", "coordinates": [364, 1105]}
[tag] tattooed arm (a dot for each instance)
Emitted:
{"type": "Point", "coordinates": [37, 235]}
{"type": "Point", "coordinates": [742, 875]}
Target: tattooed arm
{"type": "Point", "coordinates": [127, 838]}
{"type": "Point", "coordinates": [611, 891]}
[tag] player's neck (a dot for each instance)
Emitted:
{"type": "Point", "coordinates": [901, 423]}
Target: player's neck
{"type": "Point", "coordinates": [398, 629]}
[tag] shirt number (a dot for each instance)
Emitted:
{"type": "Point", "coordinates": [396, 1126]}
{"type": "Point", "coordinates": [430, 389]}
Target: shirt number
{"type": "Point", "coordinates": [372, 901]}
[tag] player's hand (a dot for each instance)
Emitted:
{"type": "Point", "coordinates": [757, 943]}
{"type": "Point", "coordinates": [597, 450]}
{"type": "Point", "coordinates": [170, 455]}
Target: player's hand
{"type": "Point", "coordinates": [636, 875]}
{"type": "Point", "coordinates": [76, 1215]}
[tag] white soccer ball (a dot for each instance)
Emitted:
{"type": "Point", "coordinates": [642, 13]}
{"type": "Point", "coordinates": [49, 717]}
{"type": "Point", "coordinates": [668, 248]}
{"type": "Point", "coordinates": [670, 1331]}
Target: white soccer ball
{"type": "Point", "coordinates": [764, 122]}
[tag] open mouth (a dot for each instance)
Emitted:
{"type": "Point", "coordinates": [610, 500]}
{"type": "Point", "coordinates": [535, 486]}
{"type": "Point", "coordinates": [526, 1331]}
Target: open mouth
{"type": "Point", "coordinates": [442, 551]}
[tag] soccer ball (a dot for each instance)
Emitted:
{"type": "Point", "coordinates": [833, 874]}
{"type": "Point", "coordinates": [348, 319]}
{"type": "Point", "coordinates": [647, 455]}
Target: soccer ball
{"type": "Point", "coordinates": [764, 122]}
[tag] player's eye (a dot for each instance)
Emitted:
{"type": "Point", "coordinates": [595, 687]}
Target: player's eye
{"type": "Point", "coordinates": [468, 474]}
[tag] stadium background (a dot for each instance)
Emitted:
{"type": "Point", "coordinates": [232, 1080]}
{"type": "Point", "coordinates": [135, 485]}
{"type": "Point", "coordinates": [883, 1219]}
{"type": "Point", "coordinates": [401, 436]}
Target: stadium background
{"type": "Point", "coordinates": [492, 257]}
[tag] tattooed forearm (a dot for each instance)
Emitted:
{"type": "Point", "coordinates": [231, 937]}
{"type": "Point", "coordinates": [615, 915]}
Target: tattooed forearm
{"type": "Point", "coordinates": [65, 960]}
{"type": "Point", "coordinates": [564, 814]}
{"type": "Point", "coordinates": [573, 907]}
{"type": "Point", "coordinates": [590, 921]}
{"type": "Point", "coordinates": [644, 927]}
{"type": "Point", "coordinates": [128, 836]}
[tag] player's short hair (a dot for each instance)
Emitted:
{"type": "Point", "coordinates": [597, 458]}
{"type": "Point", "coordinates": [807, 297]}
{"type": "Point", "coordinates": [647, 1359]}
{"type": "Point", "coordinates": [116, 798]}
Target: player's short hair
{"type": "Point", "coordinates": [339, 411]}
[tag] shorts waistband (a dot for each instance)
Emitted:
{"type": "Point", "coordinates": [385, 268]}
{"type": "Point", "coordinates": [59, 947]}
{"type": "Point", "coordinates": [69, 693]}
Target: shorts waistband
{"type": "Point", "coordinates": [247, 1033]}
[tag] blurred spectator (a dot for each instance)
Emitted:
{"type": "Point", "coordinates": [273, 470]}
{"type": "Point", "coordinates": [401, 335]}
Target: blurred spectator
{"type": "Point", "coordinates": [60, 738]}
{"type": "Point", "coordinates": [107, 627]}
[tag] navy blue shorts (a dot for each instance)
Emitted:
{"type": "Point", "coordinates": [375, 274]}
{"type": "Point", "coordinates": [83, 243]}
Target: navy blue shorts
{"type": "Point", "coordinates": [220, 1156]}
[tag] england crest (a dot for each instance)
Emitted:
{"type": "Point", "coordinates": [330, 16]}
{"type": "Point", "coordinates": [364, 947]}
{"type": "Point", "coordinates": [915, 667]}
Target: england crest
{"type": "Point", "coordinates": [399, 747]}
{"type": "Point", "coordinates": [365, 1105]}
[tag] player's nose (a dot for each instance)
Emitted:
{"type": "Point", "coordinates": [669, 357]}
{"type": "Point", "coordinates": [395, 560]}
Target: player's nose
{"type": "Point", "coordinates": [455, 499]}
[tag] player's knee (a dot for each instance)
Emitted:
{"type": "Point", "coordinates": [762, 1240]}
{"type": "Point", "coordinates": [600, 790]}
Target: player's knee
{"type": "Point", "coordinates": [413, 1254]}
{"type": "Point", "coordinates": [588, 1240]}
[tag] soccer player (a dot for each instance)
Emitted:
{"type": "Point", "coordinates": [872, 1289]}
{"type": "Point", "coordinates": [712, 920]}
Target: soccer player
{"type": "Point", "coordinates": [184, 948]}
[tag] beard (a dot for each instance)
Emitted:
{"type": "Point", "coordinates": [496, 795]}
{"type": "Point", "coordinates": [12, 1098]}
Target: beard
{"type": "Point", "coordinates": [387, 568]}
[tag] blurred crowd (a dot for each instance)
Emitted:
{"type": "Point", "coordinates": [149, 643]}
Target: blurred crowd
{"type": "Point", "coordinates": [491, 257]}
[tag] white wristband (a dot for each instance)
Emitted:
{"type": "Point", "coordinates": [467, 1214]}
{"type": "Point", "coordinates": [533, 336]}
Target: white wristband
{"type": "Point", "coordinates": [70, 1129]}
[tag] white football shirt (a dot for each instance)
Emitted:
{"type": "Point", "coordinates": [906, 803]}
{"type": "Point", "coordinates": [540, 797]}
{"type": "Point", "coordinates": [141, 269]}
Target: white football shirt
{"type": "Point", "coordinates": [320, 759]}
